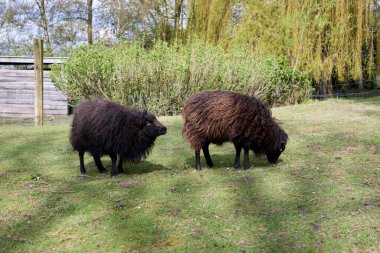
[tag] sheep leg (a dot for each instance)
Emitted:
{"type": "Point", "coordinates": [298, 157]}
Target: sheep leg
{"type": "Point", "coordinates": [114, 160]}
{"type": "Point", "coordinates": [82, 169]}
{"type": "Point", "coordinates": [246, 159]}
{"type": "Point", "coordinates": [198, 159]}
{"type": "Point", "coordinates": [237, 157]}
{"type": "Point", "coordinates": [98, 163]}
{"type": "Point", "coordinates": [120, 166]}
{"type": "Point", "coordinates": [207, 155]}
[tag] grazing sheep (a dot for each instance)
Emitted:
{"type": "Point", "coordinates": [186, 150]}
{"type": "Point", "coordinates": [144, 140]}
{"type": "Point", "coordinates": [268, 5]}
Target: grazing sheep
{"type": "Point", "coordinates": [221, 116]}
{"type": "Point", "coordinates": [103, 127]}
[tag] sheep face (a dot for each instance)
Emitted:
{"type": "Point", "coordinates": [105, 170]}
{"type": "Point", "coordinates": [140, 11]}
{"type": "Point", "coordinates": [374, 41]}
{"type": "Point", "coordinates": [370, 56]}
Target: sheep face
{"type": "Point", "coordinates": [277, 148]}
{"type": "Point", "coordinates": [273, 156]}
{"type": "Point", "coordinates": [151, 126]}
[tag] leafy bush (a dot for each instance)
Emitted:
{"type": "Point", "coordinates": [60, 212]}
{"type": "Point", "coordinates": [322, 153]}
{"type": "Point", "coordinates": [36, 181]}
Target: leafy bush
{"type": "Point", "coordinates": [161, 78]}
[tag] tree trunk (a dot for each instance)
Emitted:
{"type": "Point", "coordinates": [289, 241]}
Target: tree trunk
{"type": "Point", "coordinates": [329, 89]}
{"type": "Point", "coordinates": [360, 83]}
{"type": "Point", "coordinates": [41, 7]}
{"type": "Point", "coordinates": [377, 50]}
{"type": "Point", "coordinates": [177, 16]}
{"type": "Point", "coordinates": [322, 89]}
{"type": "Point", "coordinates": [326, 89]}
{"type": "Point", "coordinates": [346, 78]}
{"type": "Point", "coordinates": [89, 22]}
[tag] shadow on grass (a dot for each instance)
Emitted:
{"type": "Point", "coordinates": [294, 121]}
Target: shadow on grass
{"type": "Point", "coordinates": [374, 113]}
{"type": "Point", "coordinates": [295, 219]}
{"type": "Point", "coordinates": [130, 168]}
{"type": "Point", "coordinates": [50, 201]}
{"type": "Point", "coordinates": [282, 225]}
{"type": "Point", "coordinates": [56, 208]}
{"type": "Point", "coordinates": [364, 99]}
{"type": "Point", "coordinates": [227, 161]}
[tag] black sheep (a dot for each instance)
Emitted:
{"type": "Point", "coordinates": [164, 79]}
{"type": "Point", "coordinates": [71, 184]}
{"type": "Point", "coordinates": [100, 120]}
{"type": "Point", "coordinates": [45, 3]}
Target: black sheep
{"type": "Point", "coordinates": [221, 116]}
{"type": "Point", "coordinates": [103, 127]}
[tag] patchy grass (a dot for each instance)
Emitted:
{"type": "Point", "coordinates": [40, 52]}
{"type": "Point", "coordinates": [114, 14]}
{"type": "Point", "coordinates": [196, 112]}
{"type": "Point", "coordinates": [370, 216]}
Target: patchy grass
{"type": "Point", "coordinates": [323, 196]}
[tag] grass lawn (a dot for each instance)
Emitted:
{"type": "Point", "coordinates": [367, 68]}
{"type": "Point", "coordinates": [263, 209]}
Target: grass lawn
{"type": "Point", "coordinates": [323, 195]}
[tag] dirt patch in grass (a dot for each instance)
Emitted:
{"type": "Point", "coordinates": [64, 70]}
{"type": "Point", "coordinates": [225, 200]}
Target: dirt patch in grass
{"type": "Point", "coordinates": [128, 183]}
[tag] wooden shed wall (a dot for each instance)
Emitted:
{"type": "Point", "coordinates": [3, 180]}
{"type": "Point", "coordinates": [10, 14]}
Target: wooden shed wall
{"type": "Point", "coordinates": [17, 94]}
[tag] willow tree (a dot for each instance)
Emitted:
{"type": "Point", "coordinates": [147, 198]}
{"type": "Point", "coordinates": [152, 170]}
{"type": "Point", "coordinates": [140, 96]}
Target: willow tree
{"type": "Point", "coordinates": [211, 19]}
{"type": "Point", "coordinates": [333, 40]}
{"type": "Point", "coordinates": [198, 16]}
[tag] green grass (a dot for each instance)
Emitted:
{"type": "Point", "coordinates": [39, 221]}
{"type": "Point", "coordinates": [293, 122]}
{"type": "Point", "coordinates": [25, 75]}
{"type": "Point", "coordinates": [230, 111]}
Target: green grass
{"type": "Point", "coordinates": [323, 196]}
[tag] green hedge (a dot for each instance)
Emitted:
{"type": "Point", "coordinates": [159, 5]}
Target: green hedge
{"type": "Point", "coordinates": [161, 78]}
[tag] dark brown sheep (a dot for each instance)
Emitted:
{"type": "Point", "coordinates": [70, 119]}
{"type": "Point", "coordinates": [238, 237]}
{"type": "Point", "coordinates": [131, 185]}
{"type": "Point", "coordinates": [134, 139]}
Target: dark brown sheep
{"type": "Point", "coordinates": [221, 116]}
{"type": "Point", "coordinates": [103, 127]}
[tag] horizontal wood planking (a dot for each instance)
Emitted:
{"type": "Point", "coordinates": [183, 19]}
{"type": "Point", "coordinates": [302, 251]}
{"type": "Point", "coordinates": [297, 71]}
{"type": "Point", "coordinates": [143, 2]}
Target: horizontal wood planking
{"type": "Point", "coordinates": [17, 94]}
{"type": "Point", "coordinates": [47, 107]}
{"type": "Point", "coordinates": [29, 112]}
{"type": "Point", "coordinates": [27, 60]}
{"type": "Point", "coordinates": [14, 79]}
{"type": "Point", "coordinates": [14, 72]}
{"type": "Point", "coordinates": [13, 109]}
{"type": "Point", "coordinates": [30, 102]}
{"type": "Point", "coordinates": [25, 86]}
{"type": "Point", "coordinates": [20, 73]}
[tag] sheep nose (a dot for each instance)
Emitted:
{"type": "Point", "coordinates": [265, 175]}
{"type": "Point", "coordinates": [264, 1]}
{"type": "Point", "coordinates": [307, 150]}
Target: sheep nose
{"type": "Point", "coordinates": [163, 130]}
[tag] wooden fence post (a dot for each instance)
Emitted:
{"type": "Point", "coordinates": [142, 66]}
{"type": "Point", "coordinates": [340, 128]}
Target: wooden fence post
{"type": "Point", "coordinates": [39, 82]}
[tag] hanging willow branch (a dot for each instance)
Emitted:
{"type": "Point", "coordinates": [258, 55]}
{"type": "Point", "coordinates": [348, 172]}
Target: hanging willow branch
{"type": "Point", "coordinates": [325, 38]}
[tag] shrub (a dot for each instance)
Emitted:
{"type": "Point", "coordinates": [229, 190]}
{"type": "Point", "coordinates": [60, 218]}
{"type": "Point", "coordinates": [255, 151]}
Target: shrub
{"type": "Point", "coordinates": [162, 77]}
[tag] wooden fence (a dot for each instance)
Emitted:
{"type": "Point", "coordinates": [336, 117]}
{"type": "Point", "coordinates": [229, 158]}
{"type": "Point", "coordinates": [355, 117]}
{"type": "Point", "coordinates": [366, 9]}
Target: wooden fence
{"type": "Point", "coordinates": [17, 94]}
{"type": "Point", "coordinates": [17, 90]}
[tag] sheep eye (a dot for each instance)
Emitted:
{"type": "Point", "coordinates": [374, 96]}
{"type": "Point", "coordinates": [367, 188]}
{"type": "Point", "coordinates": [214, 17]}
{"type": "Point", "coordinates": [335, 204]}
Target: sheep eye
{"type": "Point", "coordinates": [148, 124]}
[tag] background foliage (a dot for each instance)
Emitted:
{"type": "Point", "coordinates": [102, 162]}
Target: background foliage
{"type": "Point", "coordinates": [334, 41]}
{"type": "Point", "coordinates": [324, 38]}
{"type": "Point", "coordinates": [161, 78]}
